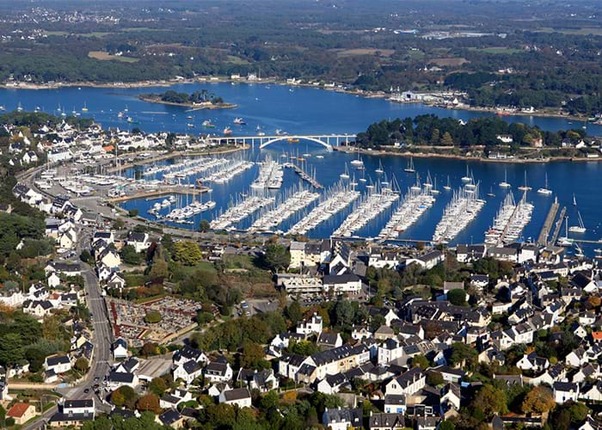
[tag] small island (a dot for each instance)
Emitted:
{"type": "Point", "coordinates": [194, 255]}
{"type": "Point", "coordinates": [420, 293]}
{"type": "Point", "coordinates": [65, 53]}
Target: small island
{"type": "Point", "coordinates": [197, 100]}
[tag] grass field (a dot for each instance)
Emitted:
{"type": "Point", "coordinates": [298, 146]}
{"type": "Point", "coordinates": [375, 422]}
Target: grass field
{"type": "Point", "coordinates": [584, 31]}
{"type": "Point", "coordinates": [364, 51]}
{"type": "Point", "coordinates": [448, 61]}
{"type": "Point", "coordinates": [66, 33]}
{"type": "Point", "coordinates": [105, 56]}
{"type": "Point", "coordinates": [497, 50]}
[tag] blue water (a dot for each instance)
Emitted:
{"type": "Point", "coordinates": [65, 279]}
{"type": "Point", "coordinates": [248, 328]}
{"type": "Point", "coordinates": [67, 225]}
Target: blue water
{"type": "Point", "coordinates": [313, 111]}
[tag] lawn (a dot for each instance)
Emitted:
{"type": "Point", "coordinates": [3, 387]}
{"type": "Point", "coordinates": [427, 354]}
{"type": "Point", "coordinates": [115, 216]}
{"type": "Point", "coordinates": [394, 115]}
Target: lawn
{"type": "Point", "coordinates": [105, 56]}
{"type": "Point", "coordinates": [497, 50]}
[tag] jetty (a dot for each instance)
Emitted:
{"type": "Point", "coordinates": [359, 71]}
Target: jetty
{"type": "Point", "coordinates": [304, 175]}
{"type": "Point", "coordinates": [164, 190]}
{"type": "Point", "coordinates": [547, 225]}
{"type": "Point", "coordinates": [558, 226]}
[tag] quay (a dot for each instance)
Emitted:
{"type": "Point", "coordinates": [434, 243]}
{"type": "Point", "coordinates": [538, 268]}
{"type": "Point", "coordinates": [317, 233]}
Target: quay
{"type": "Point", "coordinates": [160, 192]}
{"type": "Point", "coordinates": [547, 225]}
{"type": "Point", "coordinates": [304, 175]}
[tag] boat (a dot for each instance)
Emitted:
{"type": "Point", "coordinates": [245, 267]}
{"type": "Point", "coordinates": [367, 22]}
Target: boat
{"type": "Point", "coordinates": [292, 140]}
{"type": "Point", "coordinates": [190, 125]}
{"type": "Point", "coordinates": [19, 107]}
{"type": "Point", "coordinates": [580, 228]}
{"type": "Point", "coordinates": [85, 108]}
{"type": "Point", "coordinates": [574, 200]}
{"type": "Point", "coordinates": [410, 166]}
{"type": "Point", "coordinates": [525, 187]}
{"type": "Point", "coordinates": [227, 131]}
{"type": "Point", "coordinates": [565, 240]}
{"type": "Point", "coordinates": [120, 115]}
{"type": "Point", "coordinates": [435, 191]}
{"type": "Point", "coordinates": [505, 183]}
{"type": "Point", "coordinates": [280, 132]}
{"type": "Point", "coordinates": [239, 121]}
{"type": "Point", "coordinates": [208, 124]}
{"type": "Point", "coordinates": [380, 169]}
{"type": "Point", "coordinates": [545, 190]}
{"type": "Point", "coordinates": [490, 193]}
{"type": "Point", "coordinates": [447, 186]}
{"type": "Point", "coordinates": [466, 179]}
{"type": "Point", "coordinates": [345, 174]}
{"type": "Point", "coordinates": [319, 156]}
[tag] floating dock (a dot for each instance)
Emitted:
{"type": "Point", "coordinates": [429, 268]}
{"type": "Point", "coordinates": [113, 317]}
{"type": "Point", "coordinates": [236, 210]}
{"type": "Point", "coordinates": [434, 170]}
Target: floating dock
{"type": "Point", "coordinates": [158, 193]}
{"type": "Point", "coordinates": [547, 225]}
{"type": "Point", "coordinates": [304, 175]}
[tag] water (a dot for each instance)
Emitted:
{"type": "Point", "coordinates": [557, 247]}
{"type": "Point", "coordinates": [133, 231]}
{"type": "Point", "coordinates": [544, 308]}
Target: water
{"type": "Point", "coordinates": [313, 111]}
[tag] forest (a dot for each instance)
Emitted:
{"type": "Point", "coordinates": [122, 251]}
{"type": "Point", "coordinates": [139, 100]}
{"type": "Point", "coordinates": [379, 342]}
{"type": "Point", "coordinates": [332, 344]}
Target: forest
{"type": "Point", "coordinates": [434, 131]}
{"type": "Point", "coordinates": [548, 62]}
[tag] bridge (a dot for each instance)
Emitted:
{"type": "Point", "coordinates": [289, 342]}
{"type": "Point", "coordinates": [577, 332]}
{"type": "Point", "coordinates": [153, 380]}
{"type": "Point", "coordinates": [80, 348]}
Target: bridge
{"type": "Point", "coordinates": [326, 140]}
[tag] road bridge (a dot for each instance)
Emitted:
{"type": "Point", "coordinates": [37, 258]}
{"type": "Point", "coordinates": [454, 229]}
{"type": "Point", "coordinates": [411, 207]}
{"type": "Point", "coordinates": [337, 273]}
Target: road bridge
{"type": "Point", "coordinates": [326, 140]}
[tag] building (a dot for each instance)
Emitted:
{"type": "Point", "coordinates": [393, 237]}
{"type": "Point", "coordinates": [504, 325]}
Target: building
{"type": "Point", "coordinates": [240, 397]}
{"type": "Point", "coordinates": [21, 413]}
{"type": "Point", "coordinates": [342, 419]}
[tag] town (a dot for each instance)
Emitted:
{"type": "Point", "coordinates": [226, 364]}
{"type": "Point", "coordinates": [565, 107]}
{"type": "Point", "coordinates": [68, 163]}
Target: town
{"type": "Point", "coordinates": [110, 320]}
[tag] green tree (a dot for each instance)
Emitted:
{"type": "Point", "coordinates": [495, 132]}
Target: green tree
{"type": "Point", "coordinates": [490, 401]}
{"type": "Point", "coordinates": [277, 256]}
{"type": "Point", "coordinates": [447, 425]}
{"type": "Point", "coordinates": [158, 386]}
{"type": "Point", "coordinates": [294, 312]}
{"type": "Point", "coordinates": [539, 400]}
{"type": "Point", "coordinates": [420, 361]}
{"type": "Point", "coordinates": [457, 297]}
{"type": "Point", "coordinates": [187, 252]}
{"type": "Point", "coordinates": [81, 364]}
{"type": "Point", "coordinates": [159, 270]}
{"type": "Point", "coordinates": [204, 226]}
{"type": "Point", "coordinates": [462, 353]}
{"type": "Point", "coordinates": [130, 256]}
{"type": "Point", "coordinates": [152, 317]}
{"type": "Point", "coordinates": [85, 256]}
{"type": "Point", "coordinates": [252, 356]}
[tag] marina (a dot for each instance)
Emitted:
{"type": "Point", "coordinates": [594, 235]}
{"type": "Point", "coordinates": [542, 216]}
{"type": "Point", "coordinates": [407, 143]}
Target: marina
{"type": "Point", "coordinates": [274, 217]}
{"type": "Point", "coordinates": [461, 211]}
{"type": "Point", "coordinates": [413, 206]}
{"type": "Point", "coordinates": [240, 211]}
{"type": "Point", "coordinates": [510, 221]}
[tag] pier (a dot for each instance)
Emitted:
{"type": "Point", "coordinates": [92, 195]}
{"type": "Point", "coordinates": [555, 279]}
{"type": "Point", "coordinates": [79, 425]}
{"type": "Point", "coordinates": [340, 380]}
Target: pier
{"type": "Point", "coordinates": [166, 190]}
{"type": "Point", "coordinates": [304, 175]}
{"type": "Point", "coordinates": [547, 225]}
{"type": "Point", "coordinates": [558, 226]}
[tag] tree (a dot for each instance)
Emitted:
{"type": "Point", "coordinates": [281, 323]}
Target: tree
{"type": "Point", "coordinates": [130, 256]}
{"type": "Point", "coordinates": [85, 256]}
{"type": "Point", "coordinates": [277, 256]}
{"type": "Point", "coordinates": [157, 386]}
{"type": "Point", "coordinates": [152, 317]}
{"type": "Point", "coordinates": [117, 398]}
{"type": "Point", "coordinates": [447, 425]}
{"type": "Point", "coordinates": [187, 252]}
{"type": "Point", "coordinates": [457, 297]}
{"type": "Point", "coordinates": [127, 395]}
{"type": "Point", "coordinates": [293, 312]}
{"type": "Point", "coordinates": [434, 378]}
{"type": "Point", "coordinates": [149, 402]}
{"type": "Point", "coordinates": [447, 140]}
{"type": "Point", "coordinates": [204, 226]}
{"type": "Point", "coordinates": [462, 353]}
{"type": "Point", "coordinates": [159, 270]}
{"type": "Point", "coordinates": [490, 401]}
{"type": "Point", "coordinates": [148, 349]}
{"type": "Point", "coordinates": [420, 361]}
{"type": "Point", "coordinates": [252, 356]}
{"type": "Point", "coordinates": [81, 364]}
{"type": "Point", "coordinates": [539, 400]}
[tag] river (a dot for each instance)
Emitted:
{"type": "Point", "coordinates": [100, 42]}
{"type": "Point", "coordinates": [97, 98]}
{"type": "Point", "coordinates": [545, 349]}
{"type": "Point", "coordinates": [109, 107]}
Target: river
{"type": "Point", "coordinates": [301, 110]}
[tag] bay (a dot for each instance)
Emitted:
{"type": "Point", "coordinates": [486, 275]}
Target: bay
{"type": "Point", "coordinates": [301, 110]}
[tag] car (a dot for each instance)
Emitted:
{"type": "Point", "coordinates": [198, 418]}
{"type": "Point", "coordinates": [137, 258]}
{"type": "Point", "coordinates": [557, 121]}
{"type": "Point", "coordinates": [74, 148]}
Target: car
{"type": "Point", "coordinates": [97, 378]}
{"type": "Point", "coordinates": [87, 390]}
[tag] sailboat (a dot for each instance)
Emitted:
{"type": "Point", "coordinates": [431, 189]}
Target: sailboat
{"type": "Point", "coordinates": [358, 161]}
{"type": "Point", "coordinates": [545, 190]}
{"type": "Point", "coordinates": [85, 108]}
{"type": "Point", "coordinates": [447, 186]}
{"type": "Point", "coordinates": [345, 174]}
{"type": "Point", "coordinates": [580, 228]}
{"type": "Point", "coordinates": [363, 178]}
{"type": "Point", "coordinates": [574, 200]}
{"type": "Point", "coordinates": [525, 187]}
{"type": "Point", "coordinates": [490, 193]}
{"type": "Point", "coordinates": [466, 178]}
{"type": "Point", "coordinates": [410, 167]}
{"type": "Point", "coordinates": [380, 169]}
{"type": "Point", "coordinates": [505, 183]}
{"type": "Point", "coordinates": [435, 191]}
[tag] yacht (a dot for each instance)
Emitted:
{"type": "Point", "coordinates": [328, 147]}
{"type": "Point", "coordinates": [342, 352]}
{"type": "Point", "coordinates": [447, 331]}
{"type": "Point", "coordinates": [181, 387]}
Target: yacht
{"type": "Point", "coordinates": [410, 167]}
{"type": "Point", "coordinates": [19, 107]}
{"type": "Point", "coordinates": [208, 124]}
{"type": "Point", "coordinates": [505, 183]}
{"type": "Point", "coordinates": [345, 174]}
{"type": "Point", "coordinates": [447, 186]}
{"type": "Point", "coordinates": [525, 187]}
{"type": "Point", "coordinates": [239, 121]}
{"type": "Point", "coordinates": [580, 228]}
{"type": "Point", "coordinates": [227, 131]}
{"type": "Point", "coordinates": [380, 169]}
{"type": "Point", "coordinates": [545, 190]}
{"type": "Point", "coordinates": [85, 108]}
{"type": "Point", "coordinates": [466, 179]}
{"type": "Point", "coordinates": [357, 162]}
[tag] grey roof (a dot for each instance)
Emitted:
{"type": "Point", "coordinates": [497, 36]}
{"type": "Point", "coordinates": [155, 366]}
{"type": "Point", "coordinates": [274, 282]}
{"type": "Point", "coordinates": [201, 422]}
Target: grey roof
{"type": "Point", "coordinates": [78, 403]}
{"type": "Point", "coordinates": [169, 417]}
{"type": "Point", "coordinates": [351, 416]}
{"type": "Point", "coordinates": [57, 359]}
{"type": "Point", "coordinates": [389, 421]}
{"type": "Point", "coordinates": [236, 394]}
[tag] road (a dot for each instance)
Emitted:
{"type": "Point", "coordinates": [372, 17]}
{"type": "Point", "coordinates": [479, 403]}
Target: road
{"type": "Point", "coordinates": [102, 340]}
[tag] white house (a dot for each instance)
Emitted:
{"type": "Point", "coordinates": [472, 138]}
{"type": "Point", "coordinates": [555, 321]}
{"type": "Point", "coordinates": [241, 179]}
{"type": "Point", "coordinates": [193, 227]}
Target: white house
{"type": "Point", "coordinates": [240, 397]}
{"type": "Point", "coordinates": [120, 349]}
{"type": "Point", "coordinates": [407, 383]}
{"type": "Point", "coordinates": [57, 363]}
{"type": "Point", "coordinates": [565, 391]}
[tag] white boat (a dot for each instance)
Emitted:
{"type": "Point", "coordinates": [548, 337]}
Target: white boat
{"type": "Point", "coordinates": [580, 228]}
{"type": "Point", "coordinates": [525, 187]}
{"type": "Point", "coordinates": [466, 179]}
{"type": "Point", "coordinates": [505, 183]}
{"type": "Point", "coordinates": [565, 240]}
{"type": "Point", "coordinates": [319, 156]}
{"type": "Point", "coordinates": [380, 169]}
{"type": "Point", "coordinates": [447, 186]}
{"type": "Point", "coordinates": [545, 190]}
{"type": "Point", "coordinates": [227, 131]}
{"type": "Point", "coordinates": [85, 108]}
{"type": "Point", "coordinates": [574, 200]}
{"type": "Point", "coordinates": [345, 174]}
{"type": "Point", "coordinates": [207, 124]}
{"type": "Point", "coordinates": [239, 121]}
{"type": "Point", "coordinates": [410, 167]}
{"type": "Point", "coordinates": [19, 107]}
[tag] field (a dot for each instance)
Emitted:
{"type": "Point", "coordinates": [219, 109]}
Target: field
{"type": "Point", "coordinates": [364, 51]}
{"type": "Point", "coordinates": [105, 56]}
{"type": "Point", "coordinates": [497, 50]}
{"type": "Point", "coordinates": [448, 61]}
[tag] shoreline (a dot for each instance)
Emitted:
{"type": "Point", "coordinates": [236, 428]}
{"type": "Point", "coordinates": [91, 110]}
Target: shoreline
{"type": "Point", "coordinates": [380, 152]}
{"type": "Point", "coordinates": [276, 81]}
